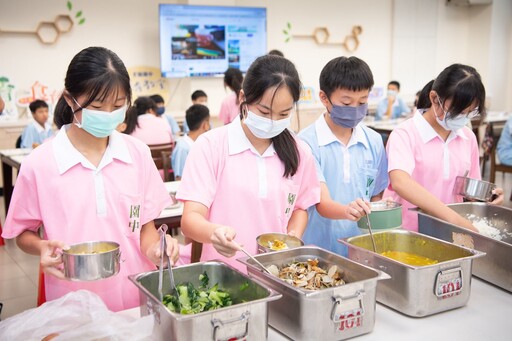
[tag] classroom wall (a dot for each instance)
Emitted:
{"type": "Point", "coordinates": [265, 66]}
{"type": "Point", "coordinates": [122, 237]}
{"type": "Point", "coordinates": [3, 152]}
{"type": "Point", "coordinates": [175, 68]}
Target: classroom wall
{"type": "Point", "coordinates": [407, 40]}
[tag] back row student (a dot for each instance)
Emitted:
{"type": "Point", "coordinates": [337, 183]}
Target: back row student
{"type": "Point", "coordinates": [198, 97]}
{"type": "Point", "coordinates": [39, 130]}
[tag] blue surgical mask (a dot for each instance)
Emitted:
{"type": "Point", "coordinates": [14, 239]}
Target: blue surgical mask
{"type": "Point", "coordinates": [100, 123]}
{"type": "Point", "coordinates": [392, 93]}
{"type": "Point", "coordinates": [265, 128]}
{"type": "Point", "coordinates": [347, 116]}
{"type": "Point", "coordinates": [452, 124]}
{"type": "Point", "coordinates": [160, 111]}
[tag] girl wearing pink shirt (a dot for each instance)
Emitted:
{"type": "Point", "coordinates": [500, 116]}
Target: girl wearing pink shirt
{"type": "Point", "coordinates": [229, 108]}
{"type": "Point", "coordinates": [427, 152]}
{"type": "Point", "coordinates": [252, 176]}
{"type": "Point", "coordinates": [91, 183]}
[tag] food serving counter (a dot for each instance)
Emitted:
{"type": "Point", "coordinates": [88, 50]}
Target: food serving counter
{"type": "Point", "coordinates": [485, 317]}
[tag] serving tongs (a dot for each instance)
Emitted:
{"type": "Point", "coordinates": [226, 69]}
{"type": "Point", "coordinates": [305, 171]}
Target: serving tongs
{"type": "Point", "coordinates": [163, 247]}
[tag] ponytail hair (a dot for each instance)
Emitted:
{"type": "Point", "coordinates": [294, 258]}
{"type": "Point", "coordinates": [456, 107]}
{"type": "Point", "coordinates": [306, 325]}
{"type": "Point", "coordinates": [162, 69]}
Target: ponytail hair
{"type": "Point", "coordinates": [234, 78]}
{"type": "Point", "coordinates": [264, 73]}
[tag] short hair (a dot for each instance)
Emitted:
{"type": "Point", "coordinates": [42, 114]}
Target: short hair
{"type": "Point", "coordinates": [395, 83]}
{"type": "Point", "coordinates": [276, 53]}
{"type": "Point", "coordinates": [198, 93]}
{"type": "Point", "coordinates": [349, 73]}
{"type": "Point", "coordinates": [195, 115]}
{"type": "Point", "coordinates": [157, 98]}
{"type": "Point", "coordinates": [36, 105]}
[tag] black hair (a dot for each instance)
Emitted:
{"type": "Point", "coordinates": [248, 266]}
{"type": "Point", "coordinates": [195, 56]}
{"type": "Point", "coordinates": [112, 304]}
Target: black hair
{"type": "Point", "coordinates": [349, 73]}
{"type": "Point", "coordinates": [234, 78]}
{"type": "Point", "coordinates": [395, 83]}
{"type": "Point", "coordinates": [198, 93]}
{"type": "Point", "coordinates": [423, 97]}
{"type": "Point", "coordinates": [460, 83]}
{"type": "Point", "coordinates": [157, 98]}
{"type": "Point", "coordinates": [38, 103]}
{"type": "Point", "coordinates": [196, 115]}
{"type": "Point", "coordinates": [276, 53]}
{"type": "Point", "coordinates": [273, 71]}
{"type": "Point", "coordinates": [140, 106]}
{"type": "Point", "coordinates": [97, 72]}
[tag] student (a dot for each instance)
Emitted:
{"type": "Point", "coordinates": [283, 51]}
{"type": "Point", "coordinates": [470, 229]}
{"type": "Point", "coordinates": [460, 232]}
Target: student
{"type": "Point", "coordinates": [251, 176]}
{"type": "Point", "coordinates": [198, 119]}
{"type": "Point", "coordinates": [160, 112]}
{"type": "Point", "coordinates": [91, 183]}
{"type": "Point", "coordinates": [229, 108]}
{"type": "Point", "coordinates": [350, 158]}
{"type": "Point", "coordinates": [39, 130]}
{"type": "Point", "coordinates": [427, 152]}
{"type": "Point", "coordinates": [392, 106]}
{"type": "Point", "coordinates": [276, 53]}
{"type": "Point", "coordinates": [143, 123]}
{"type": "Point", "coordinates": [504, 148]}
{"type": "Point", "coordinates": [198, 97]}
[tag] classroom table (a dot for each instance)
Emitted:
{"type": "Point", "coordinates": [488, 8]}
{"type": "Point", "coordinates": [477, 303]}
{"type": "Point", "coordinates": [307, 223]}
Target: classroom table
{"type": "Point", "coordinates": [171, 215]}
{"type": "Point", "coordinates": [485, 317]}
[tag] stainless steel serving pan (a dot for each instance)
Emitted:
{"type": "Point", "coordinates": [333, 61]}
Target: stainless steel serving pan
{"type": "Point", "coordinates": [246, 319]}
{"type": "Point", "coordinates": [335, 313]}
{"type": "Point", "coordinates": [496, 266]}
{"type": "Point", "coordinates": [412, 290]}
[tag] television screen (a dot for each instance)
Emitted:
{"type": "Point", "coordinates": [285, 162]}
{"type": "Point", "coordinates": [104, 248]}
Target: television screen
{"type": "Point", "coordinates": [205, 40]}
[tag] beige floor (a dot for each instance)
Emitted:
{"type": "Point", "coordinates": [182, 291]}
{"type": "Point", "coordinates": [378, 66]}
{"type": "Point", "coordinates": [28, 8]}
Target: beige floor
{"type": "Point", "coordinates": [19, 271]}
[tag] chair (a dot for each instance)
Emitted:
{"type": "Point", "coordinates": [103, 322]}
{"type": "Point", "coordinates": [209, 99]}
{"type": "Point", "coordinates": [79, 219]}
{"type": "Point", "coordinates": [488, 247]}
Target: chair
{"type": "Point", "coordinates": [161, 154]}
{"type": "Point", "coordinates": [18, 142]}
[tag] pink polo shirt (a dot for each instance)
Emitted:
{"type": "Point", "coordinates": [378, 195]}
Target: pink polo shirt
{"type": "Point", "coordinates": [153, 130]}
{"type": "Point", "coordinates": [78, 202]}
{"type": "Point", "coordinates": [229, 109]}
{"type": "Point", "coordinates": [243, 189]}
{"type": "Point", "coordinates": [417, 149]}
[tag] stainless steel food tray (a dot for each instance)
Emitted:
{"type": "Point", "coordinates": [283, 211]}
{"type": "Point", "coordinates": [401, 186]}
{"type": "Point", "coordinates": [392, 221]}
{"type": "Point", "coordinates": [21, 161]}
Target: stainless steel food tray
{"type": "Point", "coordinates": [329, 314]}
{"type": "Point", "coordinates": [417, 291]}
{"type": "Point", "coordinates": [496, 266]}
{"type": "Point", "coordinates": [246, 319]}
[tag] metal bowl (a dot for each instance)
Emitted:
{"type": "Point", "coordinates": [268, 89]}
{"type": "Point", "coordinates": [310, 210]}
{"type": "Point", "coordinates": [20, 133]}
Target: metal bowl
{"type": "Point", "coordinates": [91, 261]}
{"type": "Point", "coordinates": [386, 215]}
{"type": "Point", "coordinates": [473, 189]}
{"type": "Point", "coordinates": [264, 241]}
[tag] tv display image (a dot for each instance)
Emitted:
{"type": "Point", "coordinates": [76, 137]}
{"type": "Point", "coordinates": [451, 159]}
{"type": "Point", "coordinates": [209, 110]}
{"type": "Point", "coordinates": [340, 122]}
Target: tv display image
{"type": "Point", "coordinates": [204, 41]}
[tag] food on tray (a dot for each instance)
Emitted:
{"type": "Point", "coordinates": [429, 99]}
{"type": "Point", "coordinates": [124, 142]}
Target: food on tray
{"type": "Point", "coordinates": [409, 258]}
{"type": "Point", "coordinates": [485, 228]}
{"type": "Point", "coordinates": [277, 244]}
{"type": "Point", "coordinates": [308, 275]}
{"type": "Point", "coordinates": [192, 300]}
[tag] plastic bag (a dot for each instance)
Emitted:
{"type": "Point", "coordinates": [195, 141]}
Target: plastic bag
{"type": "Point", "coordinates": [79, 315]}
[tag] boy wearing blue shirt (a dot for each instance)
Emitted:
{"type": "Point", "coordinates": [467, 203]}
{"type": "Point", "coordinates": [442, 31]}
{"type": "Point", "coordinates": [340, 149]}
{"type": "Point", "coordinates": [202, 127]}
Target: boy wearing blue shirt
{"type": "Point", "coordinates": [350, 158]}
{"type": "Point", "coordinates": [198, 120]}
{"type": "Point", "coordinates": [39, 130]}
{"type": "Point", "coordinates": [504, 147]}
{"type": "Point", "coordinates": [392, 106]}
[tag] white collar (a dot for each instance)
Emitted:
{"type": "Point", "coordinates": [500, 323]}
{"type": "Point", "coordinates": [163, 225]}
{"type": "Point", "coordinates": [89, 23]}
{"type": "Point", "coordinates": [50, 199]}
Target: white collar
{"type": "Point", "coordinates": [40, 129]}
{"type": "Point", "coordinates": [325, 135]}
{"type": "Point", "coordinates": [428, 133]}
{"type": "Point", "coordinates": [67, 155]}
{"type": "Point", "coordinates": [238, 142]}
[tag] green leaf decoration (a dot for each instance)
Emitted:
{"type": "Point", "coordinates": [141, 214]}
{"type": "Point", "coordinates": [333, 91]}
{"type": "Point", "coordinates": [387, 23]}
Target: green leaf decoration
{"type": "Point", "coordinates": [81, 21]}
{"type": "Point", "coordinates": [78, 14]}
{"type": "Point", "coordinates": [287, 39]}
{"type": "Point", "coordinates": [289, 25]}
{"type": "Point", "coordinates": [70, 5]}
{"type": "Point", "coordinates": [285, 32]}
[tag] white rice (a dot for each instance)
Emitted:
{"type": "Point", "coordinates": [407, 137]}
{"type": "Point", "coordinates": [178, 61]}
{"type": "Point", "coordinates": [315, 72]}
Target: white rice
{"type": "Point", "coordinates": [485, 228]}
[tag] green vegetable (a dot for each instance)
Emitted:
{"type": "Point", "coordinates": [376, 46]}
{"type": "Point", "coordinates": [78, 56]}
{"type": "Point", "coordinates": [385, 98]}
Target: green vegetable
{"type": "Point", "coordinates": [244, 286]}
{"type": "Point", "coordinates": [191, 300]}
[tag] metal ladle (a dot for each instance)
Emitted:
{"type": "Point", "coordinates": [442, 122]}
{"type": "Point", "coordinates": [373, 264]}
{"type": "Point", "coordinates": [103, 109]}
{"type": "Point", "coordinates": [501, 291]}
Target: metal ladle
{"type": "Point", "coordinates": [371, 233]}
{"type": "Point", "coordinates": [255, 260]}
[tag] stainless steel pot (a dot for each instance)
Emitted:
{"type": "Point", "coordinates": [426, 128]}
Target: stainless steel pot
{"type": "Point", "coordinates": [91, 261]}
{"type": "Point", "coordinates": [385, 215]}
{"type": "Point", "coordinates": [473, 189]}
{"type": "Point", "coordinates": [263, 241]}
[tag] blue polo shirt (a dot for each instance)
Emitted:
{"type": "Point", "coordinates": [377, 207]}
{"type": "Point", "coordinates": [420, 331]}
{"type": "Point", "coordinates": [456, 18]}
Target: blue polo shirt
{"type": "Point", "coordinates": [504, 148]}
{"type": "Point", "coordinates": [398, 109]}
{"type": "Point", "coordinates": [34, 133]}
{"type": "Point", "coordinates": [180, 153]}
{"type": "Point", "coordinates": [358, 170]}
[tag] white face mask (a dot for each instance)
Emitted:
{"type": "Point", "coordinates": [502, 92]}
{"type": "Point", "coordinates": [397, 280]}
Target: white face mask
{"type": "Point", "coordinates": [452, 124]}
{"type": "Point", "coordinates": [265, 128]}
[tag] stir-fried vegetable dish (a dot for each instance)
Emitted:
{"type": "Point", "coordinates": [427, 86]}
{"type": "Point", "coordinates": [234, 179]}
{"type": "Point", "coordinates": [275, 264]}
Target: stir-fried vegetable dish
{"type": "Point", "coordinates": [192, 300]}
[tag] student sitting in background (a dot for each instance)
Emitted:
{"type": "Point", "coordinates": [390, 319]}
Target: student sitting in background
{"type": "Point", "coordinates": [160, 111]}
{"type": "Point", "coordinates": [230, 107]}
{"type": "Point", "coordinates": [198, 97]}
{"type": "Point", "coordinates": [38, 130]}
{"type": "Point", "coordinates": [143, 123]}
{"type": "Point", "coordinates": [504, 147]}
{"type": "Point", "coordinates": [198, 119]}
{"type": "Point", "coordinates": [392, 106]}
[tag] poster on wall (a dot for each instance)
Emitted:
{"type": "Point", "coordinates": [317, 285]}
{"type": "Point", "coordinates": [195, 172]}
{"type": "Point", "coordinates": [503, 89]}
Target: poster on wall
{"type": "Point", "coordinates": [146, 81]}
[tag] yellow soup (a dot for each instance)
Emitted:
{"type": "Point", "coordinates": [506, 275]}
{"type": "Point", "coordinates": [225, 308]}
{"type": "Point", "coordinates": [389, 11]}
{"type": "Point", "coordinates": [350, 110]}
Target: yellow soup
{"type": "Point", "coordinates": [409, 258]}
{"type": "Point", "coordinates": [277, 245]}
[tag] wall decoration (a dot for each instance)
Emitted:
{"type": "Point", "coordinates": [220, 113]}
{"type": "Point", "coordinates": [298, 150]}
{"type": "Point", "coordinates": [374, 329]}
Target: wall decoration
{"type": "Point", "coordinates": [147, 81]}
{"type": "Point", "coordinates": [48, 32]}
{"type": "Point", "coordinates": [307, 95]}
{"type": "Point", "coordinates": [321, 36]}
{"type": "Point", "coordinates": [7, 94]}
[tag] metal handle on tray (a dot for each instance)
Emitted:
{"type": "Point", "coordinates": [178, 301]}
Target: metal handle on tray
{"type": "Point", "coordinates": [349, 314]}
{"type": "Point", "coordinates": [444, 279]}
{"type": "Point", "coordinates": [218, 324]}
